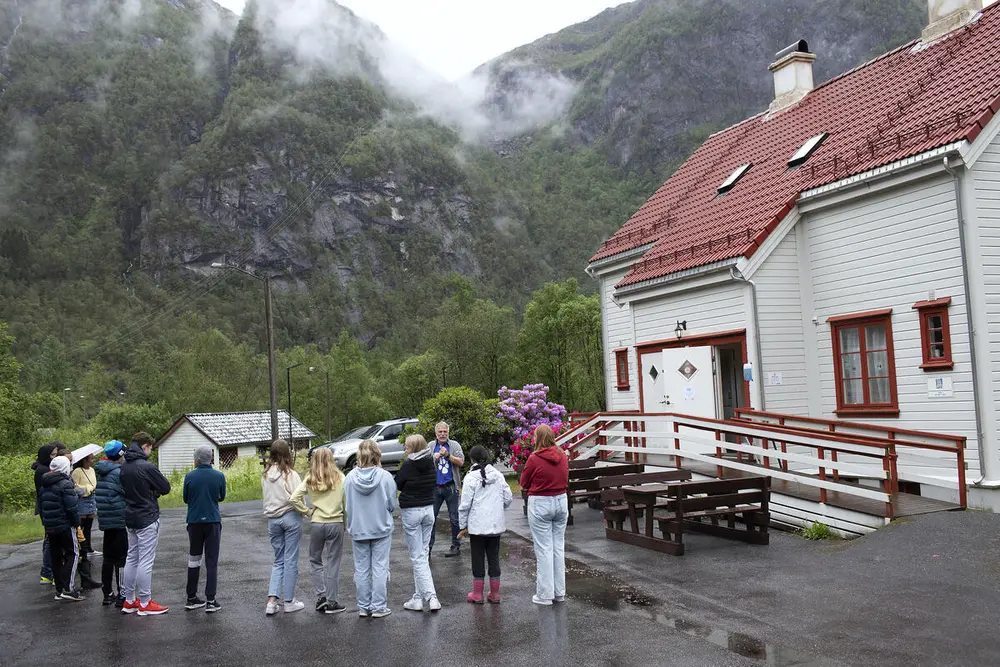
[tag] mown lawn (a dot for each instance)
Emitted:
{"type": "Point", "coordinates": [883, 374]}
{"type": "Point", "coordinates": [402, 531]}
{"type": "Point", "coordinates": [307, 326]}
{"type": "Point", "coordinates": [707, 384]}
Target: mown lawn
{"type": "Point", "coordinates": [20, 528]}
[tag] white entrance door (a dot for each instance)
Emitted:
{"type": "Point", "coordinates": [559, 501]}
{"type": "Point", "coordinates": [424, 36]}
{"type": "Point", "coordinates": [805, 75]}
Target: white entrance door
{"type": "Point", "coordinates": [690, 387]}
{"type": "Point", "coordinates": [654, 399]}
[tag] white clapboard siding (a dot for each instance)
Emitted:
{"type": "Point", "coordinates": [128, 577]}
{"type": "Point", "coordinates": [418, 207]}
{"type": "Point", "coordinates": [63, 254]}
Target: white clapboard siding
{"type": "Point", "coordinates": [986, 178]}
{"type": "Point", "coordinates": [247, 451]}
{"type": "Point", "coordinates": [779, 308]}
{"type": "Point", "coordinates": [708, 310]}
{"type": "Point", "coordinates": [176, 451]}
{"type": "Point", "coordinates": [617, 330]}
{"type": "Point", "coordinates": [891, 250]}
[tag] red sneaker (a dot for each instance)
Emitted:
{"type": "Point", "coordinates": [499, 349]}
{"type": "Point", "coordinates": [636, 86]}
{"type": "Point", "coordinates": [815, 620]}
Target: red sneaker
{"type": "Point", "coordinates": [130, 607]}
{"type": "Point", "coordinates": [152, 609]}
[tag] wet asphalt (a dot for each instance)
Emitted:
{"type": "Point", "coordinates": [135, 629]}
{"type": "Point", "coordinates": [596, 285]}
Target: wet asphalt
{"type": "Point", "coordinates": [922, 592]}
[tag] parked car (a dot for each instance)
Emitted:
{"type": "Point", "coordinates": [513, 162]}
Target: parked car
{"type": "Point", "coordinates": [386, 436]}
{"type": "Point", "coordinates": [346, 435]}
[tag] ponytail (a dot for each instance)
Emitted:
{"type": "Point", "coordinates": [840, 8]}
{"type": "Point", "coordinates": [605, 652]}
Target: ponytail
{"type": "Point", "coordinates": [480, 457]}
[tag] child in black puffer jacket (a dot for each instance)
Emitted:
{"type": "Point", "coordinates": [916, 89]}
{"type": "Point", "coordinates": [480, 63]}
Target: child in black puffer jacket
{"type": "Point", "coordinates": [61, 519]}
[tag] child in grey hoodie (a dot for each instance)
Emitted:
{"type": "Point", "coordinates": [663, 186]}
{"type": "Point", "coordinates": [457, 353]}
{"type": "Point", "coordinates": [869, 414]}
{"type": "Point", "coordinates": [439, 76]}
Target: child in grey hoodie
{"type": "Point", "coordinates": [370, 498]}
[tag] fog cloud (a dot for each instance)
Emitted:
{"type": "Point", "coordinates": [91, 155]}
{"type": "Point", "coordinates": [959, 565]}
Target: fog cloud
{"type": "Point", "coordinates": [324, 36]}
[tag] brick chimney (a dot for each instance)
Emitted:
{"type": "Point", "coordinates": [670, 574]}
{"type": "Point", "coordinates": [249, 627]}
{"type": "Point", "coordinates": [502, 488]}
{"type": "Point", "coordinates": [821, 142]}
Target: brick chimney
{"type": "Point", "coordinates": [793, 75]}
{"type": "Point", "coordinates": [947, 15]}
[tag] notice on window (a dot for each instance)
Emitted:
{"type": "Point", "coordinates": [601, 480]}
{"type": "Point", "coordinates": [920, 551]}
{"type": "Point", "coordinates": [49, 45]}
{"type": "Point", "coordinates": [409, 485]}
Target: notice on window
{"type": "Point", "coordinates": [940, 388]}
{"type": "Point", "coordinates": [774, 379]}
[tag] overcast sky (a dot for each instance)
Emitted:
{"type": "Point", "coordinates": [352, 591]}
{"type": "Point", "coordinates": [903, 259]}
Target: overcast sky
{"type": "Point", "coordinates": [453, 37]}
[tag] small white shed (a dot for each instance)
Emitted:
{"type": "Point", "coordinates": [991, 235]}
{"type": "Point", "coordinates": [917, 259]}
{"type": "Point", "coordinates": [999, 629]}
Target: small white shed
{"type": "Point", "coordinates": [232, 435]}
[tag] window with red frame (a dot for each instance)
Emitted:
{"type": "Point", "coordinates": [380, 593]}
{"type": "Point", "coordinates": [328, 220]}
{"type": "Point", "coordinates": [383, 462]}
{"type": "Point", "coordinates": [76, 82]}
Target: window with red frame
{"type": "Point", "coordinates": [621, 367]}
{"type": "Point", "coordinates": [863, 364]}
{"type": "Point", "coordinates": [935, 334]}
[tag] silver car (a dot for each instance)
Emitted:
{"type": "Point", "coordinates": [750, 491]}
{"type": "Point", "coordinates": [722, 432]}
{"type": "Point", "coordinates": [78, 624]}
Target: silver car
{"type": "Point", "coordinates": [386, 436]}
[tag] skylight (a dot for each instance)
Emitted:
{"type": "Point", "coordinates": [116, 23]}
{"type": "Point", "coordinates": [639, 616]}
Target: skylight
{"type": "Point", "coordinates": [734, 178]}
{"type": "Point", "coordinates": [807, 150]}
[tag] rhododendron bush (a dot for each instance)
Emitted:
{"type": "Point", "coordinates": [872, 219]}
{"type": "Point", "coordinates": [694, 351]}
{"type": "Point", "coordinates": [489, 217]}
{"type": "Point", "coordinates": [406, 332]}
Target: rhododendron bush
{"type": "Point", "coordinates": [524, 410]}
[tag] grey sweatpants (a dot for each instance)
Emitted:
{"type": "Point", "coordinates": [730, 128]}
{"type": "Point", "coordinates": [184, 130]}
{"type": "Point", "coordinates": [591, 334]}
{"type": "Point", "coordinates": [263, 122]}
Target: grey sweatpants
{"type": "Point", "coordinates": [139, 563]}
{"type": "Point", "coordinates": [326, 546]}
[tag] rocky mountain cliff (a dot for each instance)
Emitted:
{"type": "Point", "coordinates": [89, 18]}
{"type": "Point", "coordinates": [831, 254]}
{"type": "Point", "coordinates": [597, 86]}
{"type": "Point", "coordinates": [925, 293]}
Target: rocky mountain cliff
{"type": "Point", "coordinates": [141, 141]}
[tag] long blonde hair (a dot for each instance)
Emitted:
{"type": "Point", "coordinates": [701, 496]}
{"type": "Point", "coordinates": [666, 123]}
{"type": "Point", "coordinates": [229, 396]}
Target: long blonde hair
{"type": "Point", "coordinates": [369, 455]}
{"type": "Point", "coordinates": [323, 472]}
{"type": "Point", "coordinates": [415, 443]}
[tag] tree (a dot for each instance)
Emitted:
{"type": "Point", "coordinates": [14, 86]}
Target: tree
{"type": "Point", "coordinates": [472, 417]}
{"type": "Point", "coordinates": [560, 344]}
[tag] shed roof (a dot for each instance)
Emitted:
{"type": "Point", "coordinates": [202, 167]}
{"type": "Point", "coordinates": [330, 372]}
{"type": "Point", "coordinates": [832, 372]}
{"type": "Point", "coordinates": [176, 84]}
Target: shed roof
{"type": "Point", "coordinates": [906, 102]}
{"type": "Point", "coordinates": [227, 429]}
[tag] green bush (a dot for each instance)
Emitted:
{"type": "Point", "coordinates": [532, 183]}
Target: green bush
{"type": "Point", "coordinates": [817, 531]}
{"type": "Point", "coordinates": [17, 485]}
{"type": "Point", "coordinates": [473, 419]}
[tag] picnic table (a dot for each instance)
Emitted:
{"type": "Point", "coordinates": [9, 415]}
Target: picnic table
{"type": "Point", "coordinates": [693, 505]}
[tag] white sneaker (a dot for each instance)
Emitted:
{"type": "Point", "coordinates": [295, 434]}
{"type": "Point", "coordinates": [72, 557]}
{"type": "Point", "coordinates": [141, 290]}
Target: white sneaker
{"type": "Point", "coordinates": [541, 601]}
{"type": "Point", "coordinates": [434, 604]}
{"type": "Point", "coordinates": [559, 598]}
{"type": "Point", "coordinates": [272, 608]}
{"type": "Point", "coordinates": [381, 613]}
{"type": "Point", "coordinates": [414, 604]}
{"type": "Point", "coordinates": [294, 605]}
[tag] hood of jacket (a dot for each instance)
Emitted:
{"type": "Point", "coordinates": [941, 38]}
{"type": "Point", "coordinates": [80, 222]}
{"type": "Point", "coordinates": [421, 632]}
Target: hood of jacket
{"type": "Point", "coordinates": [366, 480]}
{"type": "Point", "coordinates": [53, 477]}
{"type": "Point", "coordinates": [104, 467]}
{"type": "Point", "coordinates": [45, 455]}
{"type": "Point", "coordinates": [551, 455]}
{"type": "Point", "coordinates": [493, 475]}
{"type": "Point", "coordinates": [273, 474]}
{"type": "Point", "coordinates": [134, 452]}
{"type": "Point", "coordinates": [422, 454]}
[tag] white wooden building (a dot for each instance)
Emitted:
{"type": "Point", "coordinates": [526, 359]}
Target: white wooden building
{"type": "Point", "coordinates": [836, 256]}
{"type": "Point", "coordinates": [233, 435]}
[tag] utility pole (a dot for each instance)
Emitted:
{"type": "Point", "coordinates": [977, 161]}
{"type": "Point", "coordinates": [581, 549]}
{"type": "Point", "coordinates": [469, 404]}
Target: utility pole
{"type": "Point", "coordinates": [272, 377]}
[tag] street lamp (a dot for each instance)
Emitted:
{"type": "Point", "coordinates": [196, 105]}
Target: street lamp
{"type": "Point", "coordinates": [329, 430]}
{"type": "Point", "coordinates": [271, 376]}
{"type": "Point", "coordinates": [288, 380]}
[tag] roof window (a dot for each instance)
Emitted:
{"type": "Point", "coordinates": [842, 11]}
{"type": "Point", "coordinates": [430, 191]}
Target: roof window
{"type": "Point", "coordinates": [734, 178]}
{"type": "Point", "coordinates": [808, 148]}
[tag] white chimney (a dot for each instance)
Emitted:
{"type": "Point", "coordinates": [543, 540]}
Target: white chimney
{"type": "Point", "coordinates": [947, 15]}
{"type": "Point", "coordinates": [793, 75]}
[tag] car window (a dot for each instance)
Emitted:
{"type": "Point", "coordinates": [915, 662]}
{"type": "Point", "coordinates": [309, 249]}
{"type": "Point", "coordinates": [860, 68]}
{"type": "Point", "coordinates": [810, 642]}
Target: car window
{"type": "Point", "coordinates": [370, 433]}
{"type": "Point", "coordinates": [392, 431]}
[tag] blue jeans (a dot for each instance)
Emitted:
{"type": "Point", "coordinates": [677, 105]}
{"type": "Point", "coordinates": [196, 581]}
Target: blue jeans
{"type": "Point", "coordinates": [447, 494]}
{"type": "Point", "coordinates": [284, 532]}
{"type": "Point", "coordinates": [46, 558]}
{"type": "Point", "coordinates": [418, 526]}
{"type": "Point", "coordinates": [371, 572]}
{"type": "Point", "coordinates": [547, 517]}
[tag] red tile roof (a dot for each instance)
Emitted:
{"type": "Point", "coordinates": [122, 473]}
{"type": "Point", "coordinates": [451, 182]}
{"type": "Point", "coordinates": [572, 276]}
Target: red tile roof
{"type": "Point", "coordinates": [903, 103]}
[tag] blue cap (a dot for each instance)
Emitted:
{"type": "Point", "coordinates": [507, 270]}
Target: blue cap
{"type": "Point", "coordinates": [113, 449]}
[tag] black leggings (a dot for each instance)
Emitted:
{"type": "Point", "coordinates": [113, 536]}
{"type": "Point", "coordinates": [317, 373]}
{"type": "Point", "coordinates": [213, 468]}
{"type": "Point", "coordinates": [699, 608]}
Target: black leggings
{"type": "Point", "coordinates": [87, 524]}
{"type": "Point", "coordinates": [485, 548]}
{"type": "Point", "coordinates": [63, 549]}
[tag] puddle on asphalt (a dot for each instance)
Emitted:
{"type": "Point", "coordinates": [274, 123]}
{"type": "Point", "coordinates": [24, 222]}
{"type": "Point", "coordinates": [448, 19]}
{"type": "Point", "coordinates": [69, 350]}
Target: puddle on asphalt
{"type": "Point", "coordinates": [607, 592]}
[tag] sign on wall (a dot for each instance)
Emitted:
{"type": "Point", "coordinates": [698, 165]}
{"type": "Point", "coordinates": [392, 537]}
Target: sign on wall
{"type": "Point", "coordinates": [940, 387]}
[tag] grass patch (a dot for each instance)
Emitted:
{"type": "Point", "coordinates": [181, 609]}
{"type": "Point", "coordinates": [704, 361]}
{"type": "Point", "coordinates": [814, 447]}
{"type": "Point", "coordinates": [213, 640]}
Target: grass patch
{"type": "Point", "coordinates": [242, 482]}
{"type": "Point", "coordinates": [515, 486]}
{"type": "Point", "coordinates": [20, 528]}
{"type": "Point", "coordinates": [817, 531]}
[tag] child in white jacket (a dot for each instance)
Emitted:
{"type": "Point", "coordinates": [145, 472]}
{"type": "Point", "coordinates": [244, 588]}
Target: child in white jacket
{"type": "Point", "coordinates": [485, 496]}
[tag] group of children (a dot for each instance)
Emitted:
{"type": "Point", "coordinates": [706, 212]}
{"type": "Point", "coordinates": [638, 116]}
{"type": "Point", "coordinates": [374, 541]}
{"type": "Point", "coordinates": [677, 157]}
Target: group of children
{"type": "Point", "coordinates": [125, 486]}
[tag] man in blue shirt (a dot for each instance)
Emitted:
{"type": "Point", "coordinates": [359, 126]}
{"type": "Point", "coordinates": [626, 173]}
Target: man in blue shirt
{"type": "Point", "coordinates": [448, 460]}
{"type": "Point", "coordinates": [204, 489]}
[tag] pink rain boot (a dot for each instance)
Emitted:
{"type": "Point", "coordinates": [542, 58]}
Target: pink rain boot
{"type": "Point", "coordinates": [476, 596]}
{"type": "Point", "coordinates": [494, 595]}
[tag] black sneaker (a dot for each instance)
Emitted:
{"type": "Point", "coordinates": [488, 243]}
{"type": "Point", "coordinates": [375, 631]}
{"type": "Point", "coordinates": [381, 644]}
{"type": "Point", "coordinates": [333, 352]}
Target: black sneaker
{"type": "Point", "coordinates": [194, 603]}
{"type": "Point", "coordinates": [321, 605]}
{"type": "Point", "coordinates": [212, 606]}
{"type": "Point", "coordinates": [454, 551]}
{"type": "Point", "coordinates": [119, 601]}
{"type": "Point", "coordinates": [109, 600]}
{"type": "Point", "coordinates": [73, 596]}
{"type": "Point", "coordinates": [58, 595]}
{"type": "Point", "coordinates": [335, 608]}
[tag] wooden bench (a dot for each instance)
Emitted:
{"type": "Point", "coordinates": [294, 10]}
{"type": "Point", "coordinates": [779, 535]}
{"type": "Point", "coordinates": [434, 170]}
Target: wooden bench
{"type": "Point", "coordinates": [583, 481]}
{"type": "Point", "coordinates": [700, 506]}
{"type": "Point", "coordinates": [613, 498]}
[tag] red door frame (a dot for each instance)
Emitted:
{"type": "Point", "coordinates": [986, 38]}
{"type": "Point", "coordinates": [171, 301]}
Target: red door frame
{"type": "Point", "coordinates": [714, 339]}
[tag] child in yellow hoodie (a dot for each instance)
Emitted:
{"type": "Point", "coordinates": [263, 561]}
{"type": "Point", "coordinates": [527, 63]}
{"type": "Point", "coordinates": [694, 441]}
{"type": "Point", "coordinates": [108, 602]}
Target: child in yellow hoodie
{"type": "Point", "coordinates": [324, 484]}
